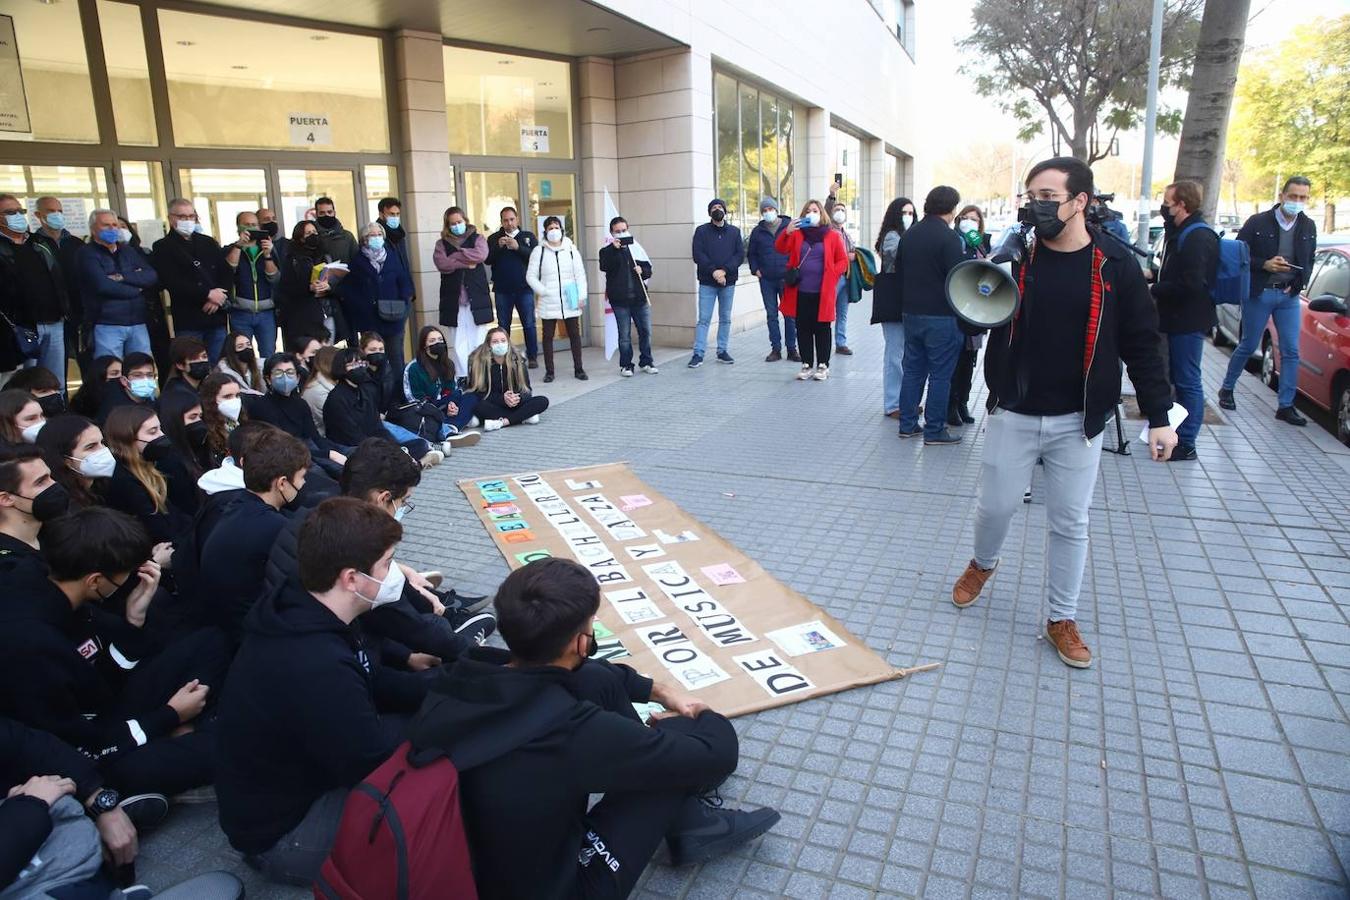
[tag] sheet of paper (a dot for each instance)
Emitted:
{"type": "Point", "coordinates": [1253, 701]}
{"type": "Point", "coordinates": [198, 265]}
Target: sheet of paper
{"type": "Point", "coordinates": [1175, 416]}
{"type": "Point", "coordinates": [809, 637]}
{"type": "Point", "coordinates": [723, 574]}
{"type": "Point", "coordinates": [683, 537]}
{"type": "Point", "coordinates": [630, 502]}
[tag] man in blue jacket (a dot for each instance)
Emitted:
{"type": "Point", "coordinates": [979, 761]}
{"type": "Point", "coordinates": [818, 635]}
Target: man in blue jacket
{"type": "Point", "coordinates": [769, 266]}
{"type": "Point", "coordinates": [718, 252]}
{"type": "Point", "coordinates": [112, 278]}
{"type": "Point", "coordinates": [509, 249]}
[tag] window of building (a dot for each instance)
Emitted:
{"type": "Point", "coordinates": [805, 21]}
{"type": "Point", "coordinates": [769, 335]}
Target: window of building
{"type": "Point", "coordinates": [381, 182]}
{"type": "Point", "coordinates": [45, 92]}
{"type": "Point", "coordinates": [128, 73]}
{"type": "Point", "coordinates": [500, 104]}
{"type": "Point", "coordinates": [301, 187]}
{"type": "Point", "coordinates": [901, 21]}
{"type": "Point", "coordinates": [81, 189]}
{"type": "Point", "coordinates": [285, 88]}
{"type": "Point", "coordinates": [754, 153]}
{"type": "Point", "coordinates": [143, 190]}
{"type": "Point", "coordinates": [848, 163]}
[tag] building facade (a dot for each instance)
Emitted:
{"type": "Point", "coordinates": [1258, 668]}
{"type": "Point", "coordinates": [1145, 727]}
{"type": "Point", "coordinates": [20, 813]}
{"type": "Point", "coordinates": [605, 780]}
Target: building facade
{"type": "Point", "coordinates": [540, 104]}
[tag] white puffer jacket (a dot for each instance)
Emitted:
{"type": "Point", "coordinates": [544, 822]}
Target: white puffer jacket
{"type": "Point", "coordinates": [548, 271]}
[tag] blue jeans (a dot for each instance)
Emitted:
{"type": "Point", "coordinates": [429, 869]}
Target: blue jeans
{"type": "Point", "coordinates": [892, 365]}
{"type": "Point", "coordinates": [626, 317]}
{"type": "Point", "coordinates": [841, 313]}
{"type": "Point", "coordinates": [414, 444]}
{"type": "Point", "coordinates": [261, 326]}
{"type": "Point", "coordinates": [51, 350]}
{"type": "Point", "coordinates": [1256, 311]}
{"type": "Point", "coordinates": [119, 340]}
{"type": "Point", "coordinates": [213, 338]}
{"type": "Point", "coordinates": [772, 294]}
{"type": "Point", "coordinates": [723, 296]}
{"type": "Point", "coordinates": [1184, 352]}
{"type": "Point", "coordinates": [467, 404]}
{"type": "Point", "coordinates": [522, 302]}
{"type": "Point", "coordinates": [932, 345]}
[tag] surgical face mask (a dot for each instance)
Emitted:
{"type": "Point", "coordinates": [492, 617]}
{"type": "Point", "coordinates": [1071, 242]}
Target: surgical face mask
{"type": "Point", "coordinates": [109, 235]}
{"type": "Point", "coordinates": [393, 221]}
{"type": "Point", "coordinates": [391, 587]}
{"type": "Point", "coordinates": [197, 228]}
{"type": "Point", "coordinates": [375, 244]}
{"type": "Point", "coordinates": [285, 384]}
{"type": "Point", "coordinates": [359, 375]}
{"type": "Point", "coordinates": [458, 228]}
{"type": "Point", "coordinates": [839, 216]}
{"type": "Point", "coordinates": [907, 219]}
{"type": "Point", "coordinates": [199, 369]}
{"type": "Point", "coordinates": [144, 388]}
{"type": "Point", "coordinates": [245, 356]}
{"type": "Point", "coordinates": [16, 221]}
{"type": "Point", "coordinates": [124, 235]}
{"type": "Point", "coordinates": [185, 227]}
{"type": "Point", "coordinates": [51, 502]}
{"type": "Point", "coordinates": [31, 432]}
{"type": "Point", "coordinates": [99, 464]}
{"type": "Point", "coordinates": [967, 225]}
{"type": "Point", "coordinates": [554, 235]}
{"type": "Point", "coordinates": [811, 220]}
{"type": "Point", "coordinates": [769, 216]}
{"type": "Point", "coordinates": [718, 214]}
{"type": "Point", "coordinates": [1290, 207]}
{"type": "Point", "coordinates": [230, 408]}
{"type": "Point", "coordinates": [1045, 216]}
{"type": "Point", "coordinates": [620, 235]}
{"type": "Point", "coordinates": [311, 242]}
{"type": "Point", "coordinates": [56, 221]}
{"type": "Point", "coordinates": [500, 350]}
{"type": "Point", "coordinates": [402, 512]}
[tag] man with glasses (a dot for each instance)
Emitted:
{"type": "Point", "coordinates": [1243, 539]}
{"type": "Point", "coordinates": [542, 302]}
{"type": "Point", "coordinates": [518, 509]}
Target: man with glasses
{"type": "Point", "coordinates": [193, 270]}
{"type": "Point", "coordinates": [1054, 376]}
{"type": "Point", "coordinates": [32, 292]}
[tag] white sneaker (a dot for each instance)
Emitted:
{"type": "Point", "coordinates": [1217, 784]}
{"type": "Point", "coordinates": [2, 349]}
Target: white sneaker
{"type": "Point", "coordinates": [804, 374]}
{"type": "Point", "coordinates": [444, 447]}
{"type": "Point", "coordinates": [433, 458]}
{"type": "Point", "coordinates": [462, 439]}
{"type": "Point", "coordinates": [822, 372]}
{"type": "Point", "coordinates": [532, 420]}
{"type": "Point", "coordinates": [651, 370]}
{"type": "Point", "coordinates": [494, 424]}
{"type": "Point", "coordinates": [626, 373]}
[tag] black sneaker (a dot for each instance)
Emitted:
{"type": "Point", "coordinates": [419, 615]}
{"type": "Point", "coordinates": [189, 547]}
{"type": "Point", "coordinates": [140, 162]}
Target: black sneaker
{"type": "Point", "coordinates": [548, 377]}
{"type": "Point", "coordinates": [725, 357]}
{"type": "Point", "coordinates": [915, 432]}
{"type": "Point", "coordinates": [954, 418]}
{"type": "Point", "coordinates": [843, 350]}
{"type": "Point", "coordinates": [942, 439]}
{"type": "Point", "coordinates": [695, 361]}
{"type": "Point", "coordinates": [1183, 453]}
{"type": "Point", "coordinates": [455, 602]}
{"type": "Point", "coordinates": [145, 810]}
{"type": "Point", "coordinates": [966, 417]}
{"type": "Point", "coordinates": [533, 363]}
{"type": "Point", "coordinates": [794, 355]}
{"type": "Point", "coordinates": [708, 833]}
{"type": "Point", "coordinates": [1290, 415]}
{"type": "Point", "coordinates": [1226, 399]}
{"type": "Point", "coordinates": [774, 355]}
{"type": "Point", "coordinates": [581, 375]}
{"type": "Point", "coordinates": [477, 628]}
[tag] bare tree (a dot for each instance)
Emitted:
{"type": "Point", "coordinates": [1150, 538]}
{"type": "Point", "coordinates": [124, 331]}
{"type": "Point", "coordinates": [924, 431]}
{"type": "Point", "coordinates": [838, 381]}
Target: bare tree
{"type": "Point", "coordinates": [1204, 131]}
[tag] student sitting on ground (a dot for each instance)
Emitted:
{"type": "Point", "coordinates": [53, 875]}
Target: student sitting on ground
{"type": "Point", "coordinates": [29, 496]}
{"type": "Point", "coordinates": [43, 386]}
{"type": "Point", "coordinates": [352, 411]}
{"type": "Point", "coordinates": [71, 665]}
{"type": "Point", "coordinates": [137, 387]}
{"type": "Point", "coordinates": [234, 557]}
{"type": "Point", "coordinates": [77, 457]}
{"type": "Point", "coordinates": [20, 418]}
{"type": "Point", "coordinates": [544, 761]}
{"type": "Point", "coordinates": [180, 415]}
{"type": "Point", "coordinates": [300, 719]}
{"type": "Point", "coordinates": [497, 376]}
{"type": "Point", "coordinates": [283, 407]}
{"type": "Point", "coordinates": [316, 388]}
{"type": "Point", "coordinates": [430, 378]}
{"type": "Point", "coordinates": [240, 363]}
{"type": "Point", "coordinates": [222, 411]}
{"type": "Point", "coordinates": [138, 487]}
{"type": "Point", "coordinates": [191, 365]}
{"type": "Point", "coordinates": [400, 418]}
{"type": "Point", "coordinates": [102, 374]}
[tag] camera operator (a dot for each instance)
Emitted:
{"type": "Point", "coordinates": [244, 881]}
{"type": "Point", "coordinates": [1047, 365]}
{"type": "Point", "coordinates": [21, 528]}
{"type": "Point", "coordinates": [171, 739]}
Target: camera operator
{"type": "Point", "coordinates": [1107, 219]}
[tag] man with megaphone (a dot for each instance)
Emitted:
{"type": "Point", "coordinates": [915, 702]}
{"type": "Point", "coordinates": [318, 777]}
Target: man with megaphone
{"type": "Point", "coordinates": [1053, 370]}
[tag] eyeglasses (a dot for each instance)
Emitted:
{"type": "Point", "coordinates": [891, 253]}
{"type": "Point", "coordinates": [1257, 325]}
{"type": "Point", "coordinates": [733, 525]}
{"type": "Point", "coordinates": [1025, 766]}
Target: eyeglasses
{"type": "Point", "coordinates": [1045, 195]}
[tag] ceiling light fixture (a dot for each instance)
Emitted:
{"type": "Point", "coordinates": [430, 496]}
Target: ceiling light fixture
{"type": "Point", "coordinates": [506, 62]}
{"type": "Point", "coordinates": [318, 37]}
{"type": "Point", "coordinates": [186, 43]}
{"type": "Point", "coordinates": [597, 30]}
{"type": "Point", "coordinates": [241, 68]}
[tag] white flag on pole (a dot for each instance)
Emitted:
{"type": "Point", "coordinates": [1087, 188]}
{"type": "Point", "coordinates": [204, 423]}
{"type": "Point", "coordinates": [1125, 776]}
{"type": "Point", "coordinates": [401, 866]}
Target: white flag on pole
{"type": "Point", "coordinates": [611, 325]}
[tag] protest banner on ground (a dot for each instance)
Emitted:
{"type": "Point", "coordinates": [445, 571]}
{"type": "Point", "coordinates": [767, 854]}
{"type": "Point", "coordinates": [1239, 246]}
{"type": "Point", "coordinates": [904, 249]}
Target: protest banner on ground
{"type": "Point", "coordinates": [679, 602]}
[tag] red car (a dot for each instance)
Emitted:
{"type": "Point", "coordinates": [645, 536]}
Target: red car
{"type": "Point", "coordinates": [1324, 339]}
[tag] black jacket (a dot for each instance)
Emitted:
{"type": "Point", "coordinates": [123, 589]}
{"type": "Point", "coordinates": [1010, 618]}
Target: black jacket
{"type": "Point", "coordinates": [1127, 331]}
{"type": "Point", "coordinates": [292, 415]}
{"type": "Point", "coordinates": [928, 251]}
{"type": "Point", "coordinates": [189, 269]}
{"type": "Point", "coordinates": [351, 414]}
{"type": "Point", "coordinates": [528, 762]}
{"type": "Point", "coordinates": [299, 311]}
{"type": "Point", "coordinates": [1261, 233]}
{"type": "Point", "coordinates": [32, 283]}
{"type": "Point", "coordinates": [508, 266]}
{"type": "Point", "coordinates": [1182, 288]}
{"type": "Point", "coordinates": [298, 718]}
{"type": "Point", "coordinates": [125, 494]}
{"type": "Point", "coordinates": [396, 239]}
{"type": "Point", "coordinates": [234, 560]}
{"type": "Point", "coordinates": [496, 392]}
{"type": "Point", "coordinates": [717, 247]}
{"type": "Point", "coordinates": [621, 282]}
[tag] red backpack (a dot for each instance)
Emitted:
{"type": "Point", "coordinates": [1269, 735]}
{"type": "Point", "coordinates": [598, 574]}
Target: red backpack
{"type": "Point", "coordinates": [402, 836]}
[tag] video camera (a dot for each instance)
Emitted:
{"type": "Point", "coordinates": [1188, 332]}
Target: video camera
{"type": "Point", "coordinates": [1098, 213]}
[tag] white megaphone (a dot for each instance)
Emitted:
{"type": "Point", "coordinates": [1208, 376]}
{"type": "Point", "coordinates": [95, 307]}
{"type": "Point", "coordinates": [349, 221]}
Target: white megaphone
{"type": "Point", "coordinates": [983, 292]}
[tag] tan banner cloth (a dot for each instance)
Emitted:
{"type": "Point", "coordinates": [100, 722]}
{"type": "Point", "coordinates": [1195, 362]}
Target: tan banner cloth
{"type": "Point", "coordinates": [678, 601]}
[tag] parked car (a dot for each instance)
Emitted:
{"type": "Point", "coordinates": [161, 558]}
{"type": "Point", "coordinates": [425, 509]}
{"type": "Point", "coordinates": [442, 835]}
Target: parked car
{"type": "Point", "coordinates": [1324, 339]}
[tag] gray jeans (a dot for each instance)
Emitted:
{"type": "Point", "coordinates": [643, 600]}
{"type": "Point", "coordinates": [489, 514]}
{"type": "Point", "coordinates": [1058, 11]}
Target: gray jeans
{"type": "Point", "coordinates": [297, 857]}
{"type": "Point", "coordinates": [1012, 444]}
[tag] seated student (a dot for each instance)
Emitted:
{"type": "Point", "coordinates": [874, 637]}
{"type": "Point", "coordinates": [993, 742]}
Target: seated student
{"type": "Point", "coordinates": [388, 382]}
{"type": "Point", "coordinates": [191, 364]}
{"type": "Point", "coordinates": [60, 816]}
{"type": "Point", "coordinates": [534, 765]}
{"type": "Point", "coordinates": [304, 348]}
{"type": "Point", "coordinates": [430, 378]}
{"type": "Point", "coordinates": [42, 386]}
{"type": "Point", "coordinates": [424, 627]}
{"type": "Point", "coordinates": [100, 376]}
{"type": "Point", "coordinates": [74, 451]}
{"type": "Point", "coordinates": [240, 363]}
{"type": "Point", "coordinates": [352, 411]}
{"type": "Point", "coordinates": [137, 486]}
{"type": "Point", "coordinates": [138, 387]}
{"type": "Point", "coordinates": [300, 717]}
{"type": "Point", "coordinates": [180, 415]}
{"type": "Point", "coordinates": [318, 386]}
{"type": "Point", "coordinates": [20, 418]}
{"type": "Point", "coordinates": [72, 666]}
{"type": "Point", "coordinates": [222, 411]}
{"type": "Point", "coordinates": [283, 407]}
{"type": "Point", "coordinates": [497, 375]}
{"type": "Point", "coordinates": [234, 557]}
{"type": "Point", "coordinates": [29, 496]}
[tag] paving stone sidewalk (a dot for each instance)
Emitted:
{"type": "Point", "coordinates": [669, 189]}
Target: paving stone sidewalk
{"type": "Point", "coordinates": [1204, 755]}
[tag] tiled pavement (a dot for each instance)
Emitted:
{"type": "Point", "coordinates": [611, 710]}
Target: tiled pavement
{"type": "Point", "coordinates": [1205, 754]}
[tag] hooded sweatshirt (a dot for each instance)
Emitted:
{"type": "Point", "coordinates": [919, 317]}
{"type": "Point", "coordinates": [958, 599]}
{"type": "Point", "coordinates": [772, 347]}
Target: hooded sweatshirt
{"type": "Point", "coordinates": [298, 718]}
{"type": "Point", "coordinates": [528, 762]}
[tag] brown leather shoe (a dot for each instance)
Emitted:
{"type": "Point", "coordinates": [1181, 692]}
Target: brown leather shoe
{"type": "Point", "coordinates": [1069, 643]}
{"type": "Point", "coordinates": [969, 585]}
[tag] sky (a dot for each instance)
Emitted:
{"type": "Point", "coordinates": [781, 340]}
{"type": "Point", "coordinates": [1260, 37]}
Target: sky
{"type": "Point", "coordinates": [941, 23]}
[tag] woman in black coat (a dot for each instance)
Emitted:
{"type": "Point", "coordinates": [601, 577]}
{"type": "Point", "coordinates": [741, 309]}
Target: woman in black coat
{"type": "Point", "coordinates": [305, 307]}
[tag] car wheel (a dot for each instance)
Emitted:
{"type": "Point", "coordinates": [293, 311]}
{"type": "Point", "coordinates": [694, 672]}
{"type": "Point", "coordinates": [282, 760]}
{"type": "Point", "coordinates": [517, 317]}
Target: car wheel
{"type": "Point", "coordinates": [1341, 404]}
{"type": "Point", "coordinates": [1269, 377]}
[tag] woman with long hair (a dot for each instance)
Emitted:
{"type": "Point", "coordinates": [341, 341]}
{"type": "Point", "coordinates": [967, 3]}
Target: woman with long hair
{"type": "Point", "coordinates": [815, 249]}
{"type": "Point", "coordinates": [319, 385]}
{"type": "Point", "coordinates": [430, 377]}
{"type": "Point", "coordinates": [305, 304]}
{"type": "Point", "coordinates": [222, 411]}
{"type": "Point", "coordinates": [20, 418]}
{"type": "Point", "coordinates": [557, 275]}
{"type": "Point", "coordinates": [497, 374]}
{"type": "Point", "coordinates": [89, 398]}
{"type": "Point", "coordinates": [304, 349]}
{"type": "Point", "coordinates": [466, 304]}
{"type": "Point", "coordinates": [887, 303]}
{"type": "Point", "coordinates": [180, 415]}
{"type": "Point", "coordinates": [137, 487]}
{"type": "Point", "coordinates": [970, 225]}
{"type": "Point", "coordinates": [75, 453]}
{"type": "Point", "coordinates": [239, 361]}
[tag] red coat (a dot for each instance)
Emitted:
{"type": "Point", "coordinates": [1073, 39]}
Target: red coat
{"type": "Point", "coordinates": [836, 266]}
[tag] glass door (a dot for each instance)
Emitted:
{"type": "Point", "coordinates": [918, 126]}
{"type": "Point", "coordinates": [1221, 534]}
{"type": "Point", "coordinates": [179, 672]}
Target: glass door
{"type": "Point", "coordinates": [301, 187]}
{"type": "Point", "coordinates": [486, 193]}
{"type": "Point", "coordinates": [221, 194]}
{"type": "Point", "coordinates": [81, 189]}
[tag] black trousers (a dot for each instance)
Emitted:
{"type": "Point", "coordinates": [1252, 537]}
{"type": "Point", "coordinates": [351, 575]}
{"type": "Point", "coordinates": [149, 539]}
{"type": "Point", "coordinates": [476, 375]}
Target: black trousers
{"type": "Point", "coordinates": [813, 336]}
{"type": "Point", "coordinates": [573, 326]}
{"type": "Point", "coordinates": [171, 765]}
{"type": "Point", "coordinates": [530, 406]}
{"type": "Point", "coordinates": [963, 377]}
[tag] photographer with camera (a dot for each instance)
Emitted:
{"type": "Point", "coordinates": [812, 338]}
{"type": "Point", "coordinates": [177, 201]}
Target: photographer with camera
{"type": "Point", "coordinates": [1107, 219]}
{"type": "Point", "coordinates": [252, 309]}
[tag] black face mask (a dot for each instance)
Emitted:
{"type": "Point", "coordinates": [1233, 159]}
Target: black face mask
{"type": "Point", "coordinates": [271, 228]}
{"type": "Point", "coordinates": [52, 405]}
{"type": "Point", "coordinates": [245, 356]}
{"type": "Point", "coordinates": [1166, 212]}
{"type": "Point", "coordinates": [326, 221]}
{"type": "Point", "coordinates": [199, 370]}
{"type": "Point", "coordinates": [157, 449]}
{"type": "Point", "coordinates": [375, 360]}
{"type": "Point", "coordinates": [436, 351]}
{"type": "Point", "coordinates": [311, 242]}
{"type": "Point", "coordinates": [196, 434]}
{"type": "Point", "coordinates": [718, 215]}
{"type": "Point", "coordinates": [1044, 214]}
{"type": "Point", "coordinates": [358, 376]}
{"type": "Point", "coordinates": [51, 503]}
{"type": "Point", "coordinates": [120, 593]}
{"type": "Point", "coordinates": [302, 374]}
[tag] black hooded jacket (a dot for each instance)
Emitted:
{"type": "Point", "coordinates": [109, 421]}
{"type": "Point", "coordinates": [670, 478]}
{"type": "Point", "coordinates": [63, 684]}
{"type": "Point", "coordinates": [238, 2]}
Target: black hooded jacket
{"type": "Point", "coordinates": [1182, 288]}
{"type": "Point", "coordinates": [298, 718]}
{"type": "Point", "coordinates": [529, 755]}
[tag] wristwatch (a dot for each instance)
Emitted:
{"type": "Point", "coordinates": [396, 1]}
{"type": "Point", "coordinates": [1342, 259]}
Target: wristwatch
{"type": "Point", "coordinates": [104, 801]}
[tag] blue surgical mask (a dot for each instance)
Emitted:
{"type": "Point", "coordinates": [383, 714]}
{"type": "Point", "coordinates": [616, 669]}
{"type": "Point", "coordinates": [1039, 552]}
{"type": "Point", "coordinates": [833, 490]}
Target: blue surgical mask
{"type": "Point", "coordinates": [375, 243]}
{"type": "Point", "coordinates": [459, 229]}
{"type": "Point", "coordinates": [769, 216]}
{"type": "Point", "coordinates": [811, 220]}
{"type": "Point", "coordinates": [285, 385]}
{"type": "Point", "coordinates": [56, 221]}
{"type": "Point", "coordinates": [143, 388]}
{"type": "Point", "coordinates": [1290, 208]}
{"type": "Point", "coordinates": [393, 221]}
{"type": "Point", "coordinates": [16, 222]}
{"type": "Point", "coordinates": [109, 235]}
{"type": "Point", "coordinates": [500, 349]}
{"type": "Point", "coordinates": [124, 235]}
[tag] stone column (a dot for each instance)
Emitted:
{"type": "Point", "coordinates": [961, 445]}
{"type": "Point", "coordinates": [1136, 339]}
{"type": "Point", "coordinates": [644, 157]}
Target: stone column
{"type": "Point", "coordinates": [875, 200]}
{"type": "Point", "coordinates": [599, 169]}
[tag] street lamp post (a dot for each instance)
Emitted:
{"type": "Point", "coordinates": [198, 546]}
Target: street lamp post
{"type": "Point", "coordinates": [1150, 124]}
